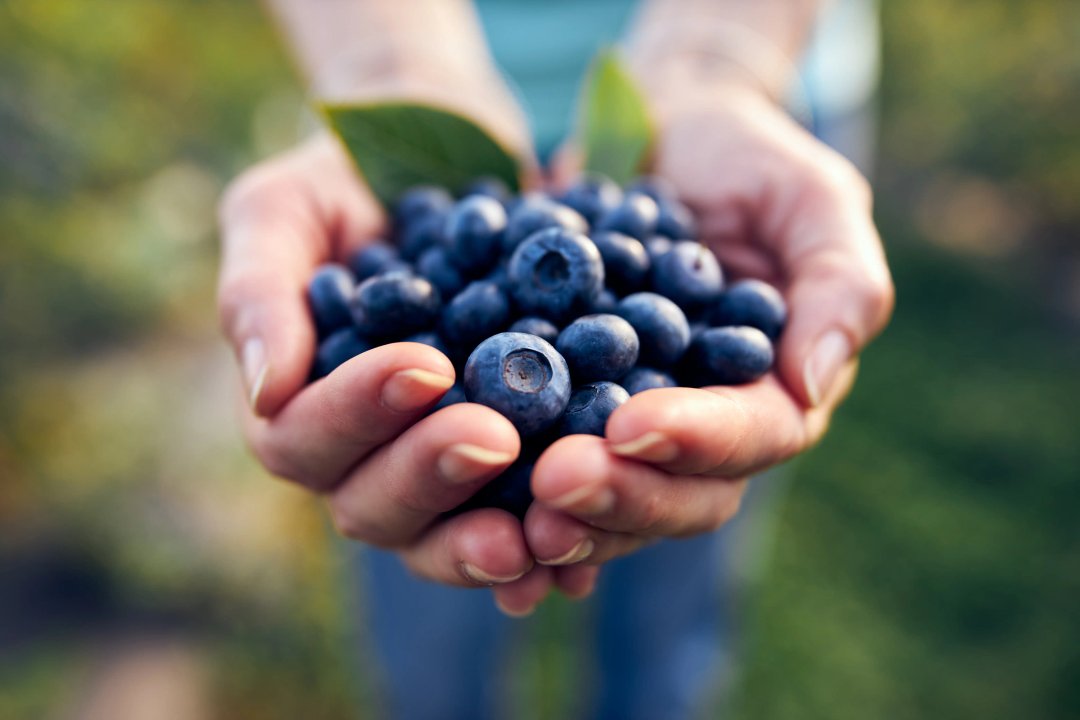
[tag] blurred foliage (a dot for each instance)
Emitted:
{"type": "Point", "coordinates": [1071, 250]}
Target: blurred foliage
{"type": "Point", "coordinates": [927, 562]}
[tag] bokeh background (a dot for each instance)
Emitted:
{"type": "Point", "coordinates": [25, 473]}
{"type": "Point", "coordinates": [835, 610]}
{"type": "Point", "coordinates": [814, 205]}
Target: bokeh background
{"type": "Point", "coordinates": [926, 557]}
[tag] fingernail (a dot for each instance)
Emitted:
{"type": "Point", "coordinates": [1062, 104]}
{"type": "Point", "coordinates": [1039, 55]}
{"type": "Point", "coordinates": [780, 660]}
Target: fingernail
{"type": "Point", "coordinates": [514, 613]}
{"type": "Point", "coordinates": [589, 500]}
{"type": "Point", "coordinates": [463, 463]}
{"type": "Point", "coordinates": [483, 578]}
{"type": "Point", "coordinates": [575, 555]}
{"type": "Point", "coordinates": [408, 390]}
{"type": "Point", "coordinates": [829, 355]}
{"type": "Point", "coordinates": [255, 368]}
{"type": "Point", "coordinates": [651, 447]}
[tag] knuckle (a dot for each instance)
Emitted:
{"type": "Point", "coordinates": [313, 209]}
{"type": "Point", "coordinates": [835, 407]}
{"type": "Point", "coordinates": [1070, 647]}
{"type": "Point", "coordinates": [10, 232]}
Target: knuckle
{"type": "Point", "coordinates": [651, 513]}
{"type": "Point", "coordinates": [362, 527]}
{"type": "Point", "coordinates": [275, 459]}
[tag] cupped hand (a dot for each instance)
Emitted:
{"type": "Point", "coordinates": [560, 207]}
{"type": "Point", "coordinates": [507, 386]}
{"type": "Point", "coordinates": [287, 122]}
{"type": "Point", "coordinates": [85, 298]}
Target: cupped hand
{"type": "Point", "coordinates": [773, 203]}
{"type": "Point", "coordinates": [361, 436]}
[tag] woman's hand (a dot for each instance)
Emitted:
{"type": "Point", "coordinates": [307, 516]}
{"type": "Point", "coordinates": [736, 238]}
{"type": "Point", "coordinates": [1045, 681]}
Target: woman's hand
{"type": "Point", "coordinates": [773, 203]}
{"type": "Point", "coordinates": [360, 435]}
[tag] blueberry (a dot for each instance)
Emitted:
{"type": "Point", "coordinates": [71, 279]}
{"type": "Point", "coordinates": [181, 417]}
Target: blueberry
{"type": "Point", "coordinates": [419, 201]}
{"type": "Point", "coordinates": [605, 302]}
{"type": "Point", "coordinates": [754, 303]}
{"type": "Point", "coordinates": [328, 296]}
{"type": "Point", "coordinates": [453, 396]}
{"type": "Point", "coordinates": [661, 327]}
{"type": "Point", "coordinates": [335, 350]}
{"type": "Point", "coordinates": [535, 214]}
{"type": "Point", "coordinates": [395, 304]}
{"type": "Point", "coordinates": [598, 347]}
{"type": "Point", "coordinates": [491, 187]}
{"type": "Point", "coordinates": [473, 232]}
{"type": "Point", "coordinates": [419, 235]}
{"type": "Point", "coordinates": [500, 277]}
{"type": "Point", "coordinates": [521, 376]}
{"type": "Point", "coordinates": [688, 274]}
{"type": "Point", "coordinates": [635, 216]}
{"type": "Point", "coordinates": [592, 196]}
{"type": "Point", "coordinates": [641, 379]}
{"type": "Point", "coordinates": [537, 326]}
{"type": "Point", "coordinates": [378, 257]}
{"type": "Point", "coordinates": [590, 407]}
{"type": "Point", "coordinates": [435, 265]}
{"type": "Point", "coordinates": [556, 274]}
{"type": "Point", "coordinates": [510, 491]}
{"type": "Point", "coordinates": [431, 339]}
{"type": "Point", "coordinates": [728, 356]}
{"type": "Point", "coordinates": [676, 221]}
{"type": "Point", "coordinates": [658, 188]}
{"type": "Point", "coordinates": [656, 246]}
{"type": "Point", "coordinates": [626, 263]}
{"type": "Point", "coordinates": [479, 311]}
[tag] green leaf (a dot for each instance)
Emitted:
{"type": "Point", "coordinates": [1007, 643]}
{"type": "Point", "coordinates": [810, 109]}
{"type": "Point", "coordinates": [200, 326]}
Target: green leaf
{"type": "Point", "coordinates": [397, 145]}
{"type": "Point", "coordinates": [615, 128]}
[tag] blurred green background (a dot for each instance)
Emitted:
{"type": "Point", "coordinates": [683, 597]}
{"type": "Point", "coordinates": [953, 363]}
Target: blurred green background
{"type": "Point", "coordinates": [926, 561]}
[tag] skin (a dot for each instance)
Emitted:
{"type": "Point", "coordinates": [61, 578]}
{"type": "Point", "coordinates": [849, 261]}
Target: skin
{"type": "Point", "coordinates": [773, 203]}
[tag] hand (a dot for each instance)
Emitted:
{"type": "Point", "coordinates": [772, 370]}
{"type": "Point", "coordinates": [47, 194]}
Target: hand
{"type": "Point", "coordinates": [773, 203]}
{"type": "Point", "coordinates": [360, 435]}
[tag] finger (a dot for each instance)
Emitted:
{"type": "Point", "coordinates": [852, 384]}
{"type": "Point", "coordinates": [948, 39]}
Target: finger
{"type": "Point", "coordinates": [576, 582]}
{"type": "Point", "coordinates": [433, 467]}
{"type": "Point", "coordinates": [480, 548]}
{"type": "Point", "coordinates": [565, 165]}
{"type": "Point", "coordinates": [579, 476]}
{"type": "Point", "coordinates": [278, 222]}
{"type": "Point", "coordinates": [560, 540]}
{"type": "Point", "coordinates": [338, 420]}
{"type": "Point", "coordinates": [839, 290]}
{"type": "Point", "coordinates": [720, 431]}
{"type": "Point", "coordinates": [520, 598]}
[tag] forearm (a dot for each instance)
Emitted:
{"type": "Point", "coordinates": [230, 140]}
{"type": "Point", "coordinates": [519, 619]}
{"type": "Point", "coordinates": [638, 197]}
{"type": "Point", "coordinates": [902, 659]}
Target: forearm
{"type": "Point", "coordinates": [343, 47]}
{"type": "Point", "coordinates": [675, 45]}
{"type": "Point", "coordinates": [431, 51]}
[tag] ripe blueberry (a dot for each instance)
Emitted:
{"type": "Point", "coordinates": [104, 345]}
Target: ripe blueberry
{"type": "Point", "coordinates": [676, 221]}
{"type": "Point", "coordinates": [420, 234]}
{"type": "Point", "coordinates": [473, 231]}
{"type": "Point", "coordinates": [521, 376]}
{"type": "Point", "coordinates": [728, 356]}
{"type": "Point", "coordinates": [537, 326]}
{"type": "Point", "coordinates": [605, 302]}
{"type": "Point", "coordinates": [689, 275]}
{"type": "Point", "coordinates": [431, 339]}
{"type": "Point", "coordinates": [477, 312]}
{"type": "Point", "coordinates": [395, 304]}
{"type": "Point", "coordinates": [435, 265]}
{"type": "Point", "coordinates": [556, 274]}
{"type": "Point", "coordinates": [754, 303]}
{"type": "Point", "coordinates": [378, 257]}
{"type": "Point", "coordinates": [635, 216]}
{"type": "Point", "coordinates": [328, 296]}
{"type": "Point", "coordinates": [590, 407]}
{"type": "Point", "coordinates": [661, 327]}
{"type": "Point", "coordinates": [656, 246]}
{"type": "Point", "coordinates": [592, 196]}
{"type": "Point", "coordinates": [510, 491]}
{"type": "Point", "coordinates": [626, 263]}
{"type": "Point", "coordinates": [641, 379]}
{"type": "Point", "coordinates": [535, 214]}
{"type": "Point", "coordinates": [421, 200]}
{"type": "Point", "coordinates": [598, 347]}
{"type": "Point", "coordinates": [335, 350]}
{"type": "Point", "coordinates": [658, 188]}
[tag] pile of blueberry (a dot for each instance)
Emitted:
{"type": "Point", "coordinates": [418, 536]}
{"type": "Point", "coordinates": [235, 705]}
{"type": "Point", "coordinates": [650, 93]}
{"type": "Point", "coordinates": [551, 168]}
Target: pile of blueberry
{"type": "Point", "coordinates": [554, 310]}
